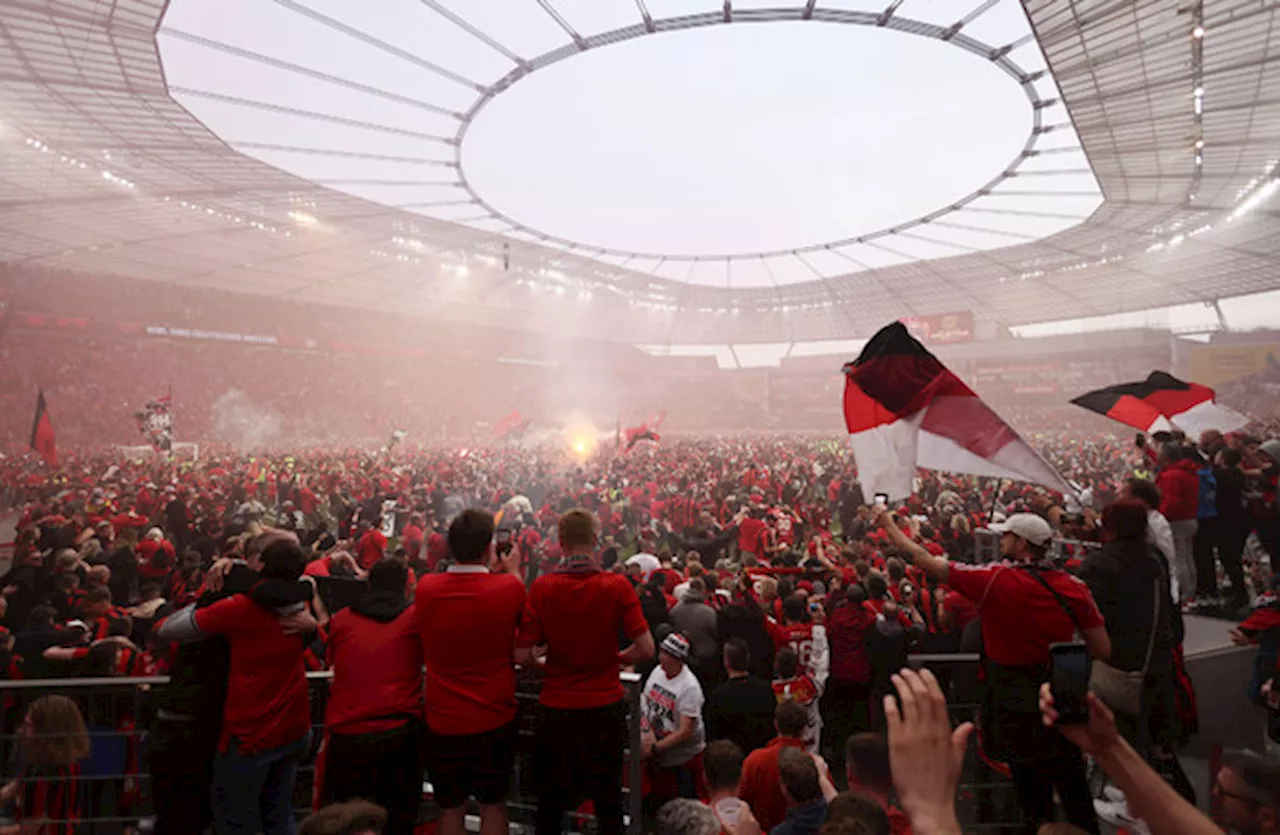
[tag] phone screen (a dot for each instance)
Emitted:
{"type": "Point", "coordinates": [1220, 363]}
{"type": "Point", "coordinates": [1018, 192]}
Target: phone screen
{"type": "Point", "coordinates": [1070, 682]}
{"type": "Point", "coordinates": [882, 499]}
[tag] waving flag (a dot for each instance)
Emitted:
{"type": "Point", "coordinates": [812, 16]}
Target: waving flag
{"type": "Point", "coordinates": [636, 434]}
{"type": "Point", "coordinates": [904, 410]}
{"type": "Point", "coordinates": [42, 440]}
{"type": "Point", "coordinates": [155, 422]}
{"type": "Point", "coordinates": [1162, 402]}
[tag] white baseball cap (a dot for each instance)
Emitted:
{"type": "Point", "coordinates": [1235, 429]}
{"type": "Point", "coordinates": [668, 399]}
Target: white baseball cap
{"type": "Point", "coordinates": [1029, 526]}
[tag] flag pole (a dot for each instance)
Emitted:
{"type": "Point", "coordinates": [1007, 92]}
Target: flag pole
{"type": "Point", "coordinates": [995, 499]}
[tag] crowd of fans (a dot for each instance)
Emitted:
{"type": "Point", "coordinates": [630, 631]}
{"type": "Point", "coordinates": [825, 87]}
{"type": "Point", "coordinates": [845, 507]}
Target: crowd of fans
{"type": "Point", "coordinates": [767, 604]}
{"type": "Point", "coordinates": [302, 374]}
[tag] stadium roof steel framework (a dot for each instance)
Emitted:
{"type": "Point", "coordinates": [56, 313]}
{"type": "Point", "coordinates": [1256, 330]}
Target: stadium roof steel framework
{"type": "Point", "coordinates": [1176, 105]}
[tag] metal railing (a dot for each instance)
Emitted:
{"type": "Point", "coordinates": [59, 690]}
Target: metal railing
{"type": "Point", "coordinates": [986, 547]}
{"type": "Point", "coordinates": [114, 784]}
{"type": "Point", "coordinates": [986, 800]}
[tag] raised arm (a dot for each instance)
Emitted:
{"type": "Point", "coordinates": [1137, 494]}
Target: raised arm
{"type": "Point", "coordinates": [1149, 796]}
{"type": "Point", "coordinates": [936, 567]}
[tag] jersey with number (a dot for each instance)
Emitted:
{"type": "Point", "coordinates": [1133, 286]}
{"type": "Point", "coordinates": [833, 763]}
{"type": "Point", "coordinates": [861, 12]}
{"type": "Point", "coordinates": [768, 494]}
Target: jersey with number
{"type": "Point", "coordinates": [809, 640]}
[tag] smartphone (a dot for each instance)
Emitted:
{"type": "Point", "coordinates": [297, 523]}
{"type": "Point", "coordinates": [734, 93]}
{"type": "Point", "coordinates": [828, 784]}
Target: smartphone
{"type": "Point", "coordinates": [882, 499]}
{"type": "Point", "coordinates": [503, 536]}
{"type": "Point", "coordinates": [1069, 679]}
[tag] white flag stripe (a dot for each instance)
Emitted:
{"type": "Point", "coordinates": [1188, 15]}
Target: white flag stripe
{"type": "Point", "coordinates": [886, 457]}
{"type": "Point", "coordinates": [1015, 460]}
{"type": "Point", "coordinates": [1209, 415]}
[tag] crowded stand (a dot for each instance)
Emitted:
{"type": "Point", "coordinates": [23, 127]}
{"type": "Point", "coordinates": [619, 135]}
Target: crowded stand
{"type": "Point", "coordinates": [271, 551]}
{"type": "Point", "coordinates": [395, 440]}
{"type": "Point", "coordinates": [251, 372]}
{"type": "Point", "coordinates": [766, 602]}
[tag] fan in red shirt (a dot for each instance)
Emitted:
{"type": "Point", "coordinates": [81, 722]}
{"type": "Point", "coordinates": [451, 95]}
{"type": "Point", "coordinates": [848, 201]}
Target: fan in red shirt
{"type": "Point", "coordinates": [867, 770]}
{"type": "Point", "coordinates": [807, 639]}
{"type": "Point", "coordinates": [580, 614]}
{"type": "Point", "coordinates": [153, 543]}
{"type": "Point", "coordinates": [761, 784]}
{"type": "Point", "coordinates": [437, 549]}
{"type": "Point", "coordinates": [371, 546]}
{"type": "Point", "coordinates": [100, 615]}
{"type": "Point", "coordinates": [371, 748]}
{"type": "Point", "coordinates": [466, 623]}
{"type": "Point", "coordinates": [753, 535]}
{"type": "Point", "coordinates": [48, 793]}
{"type": "Point", "coordinates": [266, 725]}
{"type": "Point", "coordinates": [1025, 605]}
{"type": "Point", "coordinates": [411, 538]}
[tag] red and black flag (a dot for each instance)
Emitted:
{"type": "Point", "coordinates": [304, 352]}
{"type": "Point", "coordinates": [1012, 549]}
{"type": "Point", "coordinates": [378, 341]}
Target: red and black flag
{"type": "Point", "coordinates": [42, 440]}
{"type": "Point", "coordinates": [1160, 403]}
{"type": "Point", "coordinates": [636, 434]}
{"type": "Point", "coordinates": [904, 409]}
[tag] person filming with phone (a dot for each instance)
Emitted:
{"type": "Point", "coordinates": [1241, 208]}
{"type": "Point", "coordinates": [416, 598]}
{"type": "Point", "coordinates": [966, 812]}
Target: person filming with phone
{"type": "Point", "coordinates": [1026, 607]}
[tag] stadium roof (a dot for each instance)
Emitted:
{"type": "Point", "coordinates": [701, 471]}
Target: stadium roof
{"type": "Point", "coordinates": [1169, 111]}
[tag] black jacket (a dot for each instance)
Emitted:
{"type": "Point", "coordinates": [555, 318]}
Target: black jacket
{"type": "Point", "coordinates": [1122, 575]}
{"type": "Point", "coordinates": [741, 709]}
{"type": "Point", "coordinates": [1230, 497]}
{"type": "Point", "coordinates": [746, 621]}
{"type": "Point", "coordinates": [709, 548]}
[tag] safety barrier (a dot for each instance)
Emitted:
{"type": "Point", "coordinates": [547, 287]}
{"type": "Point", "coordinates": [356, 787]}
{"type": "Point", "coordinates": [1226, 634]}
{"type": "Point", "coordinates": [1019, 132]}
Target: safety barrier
{"type": "Point", "coordinates": [986, 800]}
{"type": "Point", "coordinates": [114, 779]}
{"type": "Point", "coordinates": [986, 547]}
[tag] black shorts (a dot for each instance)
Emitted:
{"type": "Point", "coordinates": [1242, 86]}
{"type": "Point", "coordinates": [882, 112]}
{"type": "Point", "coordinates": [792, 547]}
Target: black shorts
{"type": "Point", "coordinates": [471, 765]}
{"type": "Point", "coordinates": [579, 753]}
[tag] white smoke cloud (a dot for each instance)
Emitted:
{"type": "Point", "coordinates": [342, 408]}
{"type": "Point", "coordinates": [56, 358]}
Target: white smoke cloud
{"type": "Point", "coordinates": [237, 420]}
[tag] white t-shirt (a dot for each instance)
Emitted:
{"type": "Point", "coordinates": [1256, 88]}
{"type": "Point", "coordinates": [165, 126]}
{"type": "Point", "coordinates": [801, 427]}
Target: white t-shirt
{"type": "Point", "coordinates": [665, 700]}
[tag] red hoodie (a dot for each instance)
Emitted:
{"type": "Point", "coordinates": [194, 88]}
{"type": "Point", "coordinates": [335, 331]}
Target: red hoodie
{"type": "Point", "coordinates": [1179, 485]}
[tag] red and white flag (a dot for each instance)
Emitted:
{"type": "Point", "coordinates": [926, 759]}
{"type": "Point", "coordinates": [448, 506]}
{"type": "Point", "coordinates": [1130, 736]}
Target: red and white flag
{"type": "Point", "coordinates": [904, 410]}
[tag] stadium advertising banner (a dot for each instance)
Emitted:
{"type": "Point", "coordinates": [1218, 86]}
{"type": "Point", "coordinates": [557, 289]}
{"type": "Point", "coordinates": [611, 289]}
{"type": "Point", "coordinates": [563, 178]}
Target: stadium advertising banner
{"type": "Point", "coordinates": [1213, 365]}
{"type": "Point", "coordinates": [941, 328]}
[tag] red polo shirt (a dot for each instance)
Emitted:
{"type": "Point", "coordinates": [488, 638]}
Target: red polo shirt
{"type": "Point", "coordinates": [266, 704]}
{"type": "Point", "coordinates": [1020, 618]}
{"type": "Point", "coordinates": [377, 672]}
{"type": "Point", "coordinates": [467, 621]}
{"type": "Point", "coordinates": [578, 615]}
{"type": "Point", "coordinates": [437, 549]}
{"type": "Point", "coordinates": [371, 548]}
{"type": "Point", "coordinates": [751, 536]}
{"type": "Point", "coordinates": [411, 538]}
{"type": "Point", "coordinates": [760, 786]}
